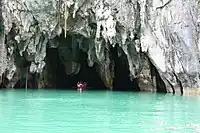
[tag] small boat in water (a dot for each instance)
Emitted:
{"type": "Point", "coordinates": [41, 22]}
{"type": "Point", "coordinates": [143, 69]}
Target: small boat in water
{"type": "Point", "coordinates": [81, 86]}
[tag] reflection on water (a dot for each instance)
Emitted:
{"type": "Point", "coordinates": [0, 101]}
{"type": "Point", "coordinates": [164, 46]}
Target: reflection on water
{"type": "Point", "coordinates": [44, 111]}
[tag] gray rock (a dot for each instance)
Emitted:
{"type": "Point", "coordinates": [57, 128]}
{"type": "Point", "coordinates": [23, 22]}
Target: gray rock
{"type": "Point", "coordinates": [160, 38]}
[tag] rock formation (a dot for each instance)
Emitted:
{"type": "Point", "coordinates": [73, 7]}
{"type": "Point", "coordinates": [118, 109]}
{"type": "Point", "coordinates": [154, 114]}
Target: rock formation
{"type": "Point", "coordinates": [159, 38]}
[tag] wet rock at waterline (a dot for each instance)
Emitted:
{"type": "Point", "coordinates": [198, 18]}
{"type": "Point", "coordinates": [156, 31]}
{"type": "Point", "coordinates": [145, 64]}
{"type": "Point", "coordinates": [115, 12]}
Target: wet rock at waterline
{"type": "Point", "coordinates": [158, 38]}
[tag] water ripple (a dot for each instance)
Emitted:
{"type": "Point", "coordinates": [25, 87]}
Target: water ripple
{"type": "Point", "coordinates": [97, 112]}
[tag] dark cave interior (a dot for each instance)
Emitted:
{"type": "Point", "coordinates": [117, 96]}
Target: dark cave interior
{"type": "Point", "coordinates": [64, 81]}
{"type": "Point", "coordinates": [122, 80]}
{"type": "Point", "coordinates": [88, 74]}
{"type": "Point", "coordinates": [160, 85]}
{"type": "Point", "coordinates": [55, 76]}
{"type": "Point", "coordinates": [58, 79]}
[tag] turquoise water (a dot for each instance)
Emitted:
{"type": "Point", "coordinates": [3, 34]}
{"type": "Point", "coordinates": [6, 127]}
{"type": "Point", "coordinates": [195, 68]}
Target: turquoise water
{"type": "Point", "coordinates": [51, 111]}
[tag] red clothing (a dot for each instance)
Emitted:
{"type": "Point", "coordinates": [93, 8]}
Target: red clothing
{"type": "Point", "coordinates": [82, 86]}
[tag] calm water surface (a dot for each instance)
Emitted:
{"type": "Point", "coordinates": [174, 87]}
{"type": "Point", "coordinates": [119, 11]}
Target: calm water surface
{"type": "Point", "coordinates": [52, 111]}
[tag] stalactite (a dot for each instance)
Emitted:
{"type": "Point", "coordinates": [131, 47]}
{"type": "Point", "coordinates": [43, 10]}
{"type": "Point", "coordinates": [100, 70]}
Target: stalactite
{"type": "Point", "coordinates": [2, 52]}
{"type": "Point", "coordinates": [75, 9]}
{"type": "Point", "coordinates": [58, 12]}
{"type": "Point", "coordinates": [2, 42]}
{"type": "Point", "coordinates": [66, 15]}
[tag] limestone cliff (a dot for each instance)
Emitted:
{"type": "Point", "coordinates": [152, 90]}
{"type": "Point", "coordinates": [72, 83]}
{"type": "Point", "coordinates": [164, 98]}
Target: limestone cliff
{"type": "Point", "coordinates": [160, 39]}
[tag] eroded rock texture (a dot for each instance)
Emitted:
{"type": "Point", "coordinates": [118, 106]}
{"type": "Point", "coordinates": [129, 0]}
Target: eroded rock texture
{"type": "Point", "coordinates": [160, 39]}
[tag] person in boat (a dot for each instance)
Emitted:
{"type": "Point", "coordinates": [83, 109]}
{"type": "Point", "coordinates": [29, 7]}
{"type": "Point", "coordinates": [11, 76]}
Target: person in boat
{"type": "Point", "coordinates": [81, 86]}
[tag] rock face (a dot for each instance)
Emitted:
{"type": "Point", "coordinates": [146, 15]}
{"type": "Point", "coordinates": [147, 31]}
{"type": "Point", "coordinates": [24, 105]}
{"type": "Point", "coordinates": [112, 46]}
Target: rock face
{"type": "Point", "coordinates": [159, 38]}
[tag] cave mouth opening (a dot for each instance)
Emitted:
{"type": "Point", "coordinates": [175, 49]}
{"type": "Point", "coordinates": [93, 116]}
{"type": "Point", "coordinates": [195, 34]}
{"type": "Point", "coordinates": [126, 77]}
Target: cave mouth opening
{"type": "Point", "coordinates": [160, 85]}
{"type": "Point", "coordinates": [122, 81]}
{"type": "Point", "coordinates": [59, 78]}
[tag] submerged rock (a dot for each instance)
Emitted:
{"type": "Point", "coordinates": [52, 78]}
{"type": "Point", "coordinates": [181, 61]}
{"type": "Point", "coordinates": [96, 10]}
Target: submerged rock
{"type": "Point", "coordinates": [160, 38]}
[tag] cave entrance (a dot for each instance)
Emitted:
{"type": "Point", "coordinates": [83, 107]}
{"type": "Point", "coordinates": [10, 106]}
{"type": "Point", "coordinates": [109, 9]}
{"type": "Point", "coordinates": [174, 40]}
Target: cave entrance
{"type": "Point", "coordinates": [122, 80]}
{"type": "Point", "coordinates": [160, 85]}
{"type": "Point", "coordinates": [60, 80]}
